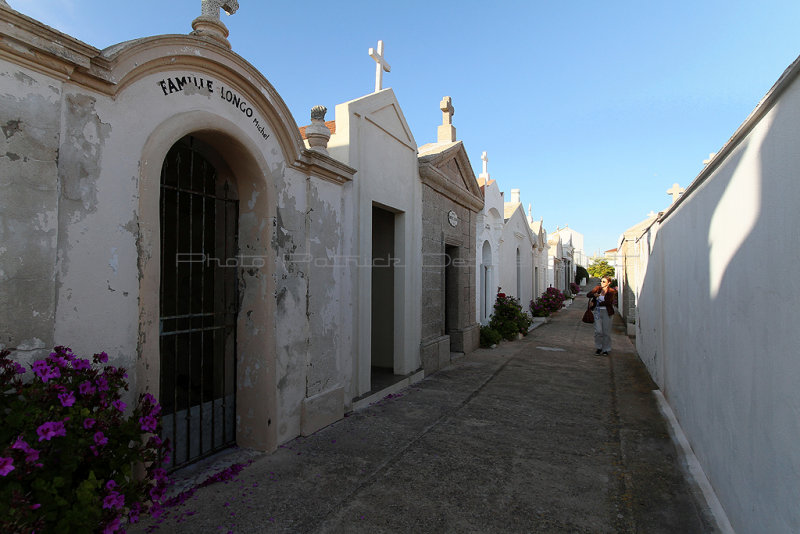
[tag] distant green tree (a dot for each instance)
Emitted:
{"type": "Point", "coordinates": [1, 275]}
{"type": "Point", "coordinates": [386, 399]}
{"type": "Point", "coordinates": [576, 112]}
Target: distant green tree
{"type": "Point", "coordinates": [601, 268]}
{"type": "Point", "coordinates": [581, 273]}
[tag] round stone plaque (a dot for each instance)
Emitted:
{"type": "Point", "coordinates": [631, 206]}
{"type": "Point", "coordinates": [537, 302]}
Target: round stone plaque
{"type": "Point", "coordinates": [452, 218]}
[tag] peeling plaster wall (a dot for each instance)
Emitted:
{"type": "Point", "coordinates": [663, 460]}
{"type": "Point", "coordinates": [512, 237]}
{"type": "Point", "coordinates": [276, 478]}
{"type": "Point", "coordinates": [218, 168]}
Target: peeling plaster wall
{"type": "Point", "coordinates": [30, 115]}
{"type": "Point", "coordinates": [291, 320]}
{"type": "Point", "coordinates": [97, 278]}
{"type": "Point", "coordinates": [79, 223]}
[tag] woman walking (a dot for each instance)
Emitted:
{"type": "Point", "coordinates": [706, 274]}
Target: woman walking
{"type": "Point", "coordinates": [603, 298]}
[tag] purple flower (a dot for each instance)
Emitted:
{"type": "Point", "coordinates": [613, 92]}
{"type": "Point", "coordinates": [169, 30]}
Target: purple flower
{"type": "Point", "coordinates": [44, 371]}
{"type": "Point", "coordinates": [88, 423]}
{"type": "Point", "coordinates": [148, 423]}
{"type": "Point", "coordinates": [6, 465]}
{"type": "Point", "coordinates": [35, 506]}
{"type": "Point", "coordinates": [18, 368]}
{"type": "Point", "coordinates": [113, 526]}
{"type": "Point", "coordinates": [58, 360]}
{"type": "Point", "coordinates": [119, 405]}
{"type": "Point", "coordinates": [86, 388]}
{"type": "Point", "coordinates": [79, 364]}
{"type": "Point", "coordinates": [110, 485]}
{"type": "Point", "coordinates": [67, 399]}
{"type": "Point", "coordinates": [101, 358]}
{"type": "Point", "coordinates": [102, 383]}
{"type": "Point", "coordinates": [50, 430]}
{"type": "Point", "coordinates": [100, 438]}
{"type": "Point", "coordinates": [31, 455]}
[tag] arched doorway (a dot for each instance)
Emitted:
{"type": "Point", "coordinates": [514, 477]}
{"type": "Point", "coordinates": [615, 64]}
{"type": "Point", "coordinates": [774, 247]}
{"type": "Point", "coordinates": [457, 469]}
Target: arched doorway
{"type": "Point", "coordinates": [486, 282]}
{"type": "Point", "coordinates": [198, 302]}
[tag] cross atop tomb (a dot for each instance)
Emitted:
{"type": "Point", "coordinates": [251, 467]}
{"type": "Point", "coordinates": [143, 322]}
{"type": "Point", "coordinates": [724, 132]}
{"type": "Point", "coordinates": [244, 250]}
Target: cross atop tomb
{"type": "Point", "coordinates": [447, 132]}
{"type": "Point", "coordinates": [208, 23]}
{"type": "Point", "coordinates": [676, 191]}
{"type": "Point", "coordinates": [210, 8]}
{"type": "Point", "coordinates": [381, 65]}
{"type": "Point", "coordinates": [485, 173]}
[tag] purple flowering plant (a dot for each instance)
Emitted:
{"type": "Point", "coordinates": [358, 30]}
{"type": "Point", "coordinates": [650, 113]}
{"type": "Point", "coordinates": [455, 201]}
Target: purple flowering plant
{"type": "Point", "coordinates": [508, 318]}
{"type": "Point", "coordinates": [73, 458]}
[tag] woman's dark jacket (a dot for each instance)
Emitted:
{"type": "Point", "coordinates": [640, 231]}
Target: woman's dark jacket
{"type": "Point", "coordinates": [608, 302]}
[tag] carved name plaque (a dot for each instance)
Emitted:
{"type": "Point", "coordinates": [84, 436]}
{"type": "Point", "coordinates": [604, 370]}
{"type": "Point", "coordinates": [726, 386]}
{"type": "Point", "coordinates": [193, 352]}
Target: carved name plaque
{"type": "Point", "coordinates": [452, 218]}
{"type": "Point", "coordinates": [193, 84]}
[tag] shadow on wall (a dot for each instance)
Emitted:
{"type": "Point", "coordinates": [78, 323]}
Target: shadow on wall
{"type": "Point", "coordinates": [715, 319]}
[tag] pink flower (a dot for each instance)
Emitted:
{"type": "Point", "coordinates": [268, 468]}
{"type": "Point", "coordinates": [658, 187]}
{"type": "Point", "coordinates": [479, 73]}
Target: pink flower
{"type": "Point", "coordinates": [100, 438]}
{"type": "Point", "coordinates": [50, 430]}
{"type": "Point", "coordinates": [6, 465]}
{"type": "Point", "coordinates": [119, 405]}
{"type": "Point", "coordinates": [88, 423]}
{"type": "Point", "coordinates": [67, 399]}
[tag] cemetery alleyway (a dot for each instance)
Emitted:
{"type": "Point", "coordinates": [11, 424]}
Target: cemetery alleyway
{"type": "Point", "coordinates": [537, 435]}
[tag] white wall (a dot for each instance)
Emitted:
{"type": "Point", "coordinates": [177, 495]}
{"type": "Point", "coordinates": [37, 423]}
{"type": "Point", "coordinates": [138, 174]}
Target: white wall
{"type": "Point", "coordinates": [372, 136]}
{"type": "Point", "coordinates": [717, 316]}
{"type": "Point", "coordinates": [516, 236]}
{"type": "Point", "coordinates": [489, 230]}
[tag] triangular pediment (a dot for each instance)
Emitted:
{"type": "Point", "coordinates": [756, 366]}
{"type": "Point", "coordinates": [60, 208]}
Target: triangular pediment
{"type": "Point", "coordinates": [390, 120]}
{"type": "Point", "coordinates": [449, 162]}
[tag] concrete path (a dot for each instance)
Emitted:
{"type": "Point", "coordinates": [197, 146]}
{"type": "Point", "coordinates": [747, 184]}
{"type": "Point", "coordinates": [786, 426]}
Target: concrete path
{"type": "Point", "coordinates": [538, 435]}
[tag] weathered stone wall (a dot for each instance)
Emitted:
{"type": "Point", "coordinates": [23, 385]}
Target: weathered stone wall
{"type": "Point", "coordinates": [438, 233]}
{"type": "Point", "coordinates": [30, 120]}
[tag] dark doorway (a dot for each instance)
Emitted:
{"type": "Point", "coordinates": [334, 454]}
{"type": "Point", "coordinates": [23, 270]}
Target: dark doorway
{"type": "Point", "coordinates": [451, 289]}
{"type": "Point", "coordinates": [198, 303]}
{"type": "Point", "coordinates": [383, 271]}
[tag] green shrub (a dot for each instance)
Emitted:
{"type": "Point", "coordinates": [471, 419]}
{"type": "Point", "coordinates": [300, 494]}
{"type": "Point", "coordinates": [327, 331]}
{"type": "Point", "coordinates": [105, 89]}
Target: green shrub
{"type": "Point", "coordinates": [508, 318]}
{"type": "Point", "coordinates": [581, 273]}
{"type": "Point", "coordinates": [489, 336]}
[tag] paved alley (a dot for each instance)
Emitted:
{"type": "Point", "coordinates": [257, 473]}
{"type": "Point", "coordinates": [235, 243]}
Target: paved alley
{"type": "Point", "coordinates": [538, 435]}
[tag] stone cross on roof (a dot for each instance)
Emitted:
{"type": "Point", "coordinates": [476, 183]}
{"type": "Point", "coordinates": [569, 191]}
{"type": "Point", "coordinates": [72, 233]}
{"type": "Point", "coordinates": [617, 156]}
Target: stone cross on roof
{"type": "Point", "coordinates": [485, 159]}
{"type": "Point", "coordinates": [381, 66]}
{"type": "Point", "coordinates": [676, 191]}
{"type": "Point", "coordinates": [447, 132]}
{"type": "Point", "coordinates": [210, 8]}
{"type": "Point", "coordinates": [208, 23]}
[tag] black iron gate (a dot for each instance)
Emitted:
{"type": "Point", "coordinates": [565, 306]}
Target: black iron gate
{"type": "Point", "coordinates": [198, 304]}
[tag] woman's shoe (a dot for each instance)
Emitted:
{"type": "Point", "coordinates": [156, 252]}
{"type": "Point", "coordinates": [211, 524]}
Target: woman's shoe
{"type": "Point", "coordinates": [597, 351]}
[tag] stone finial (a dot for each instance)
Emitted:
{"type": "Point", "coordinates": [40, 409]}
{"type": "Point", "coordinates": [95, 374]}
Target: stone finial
{"type": "Point", "coordinates": [318, 134]}
{"type": "Point", "coordinates": [447, 132]}
{"type": "Point", "coordinates": [676, 191]}
{"type": "Point", "coordinates": [651, 214]}
{"type": "Point", "coordinates": [381, 66]}
{"type": "Point", "coordinates": [710, 157]}
{"type": "Point", "coordinates": [208, 24]}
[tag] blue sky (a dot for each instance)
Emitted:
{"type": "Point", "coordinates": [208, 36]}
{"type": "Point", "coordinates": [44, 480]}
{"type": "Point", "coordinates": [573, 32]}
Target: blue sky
{"type": "Point", "coordinates": [592, 109]}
